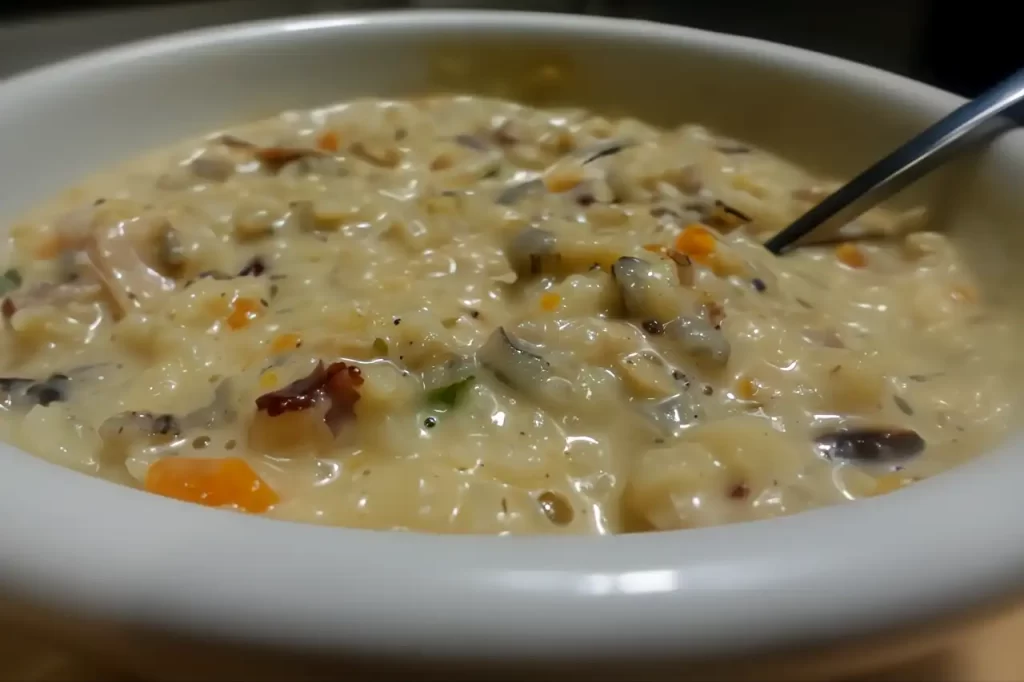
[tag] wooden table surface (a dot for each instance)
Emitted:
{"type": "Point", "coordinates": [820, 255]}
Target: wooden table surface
{"type": "Point", "coordinates": [993, 653]}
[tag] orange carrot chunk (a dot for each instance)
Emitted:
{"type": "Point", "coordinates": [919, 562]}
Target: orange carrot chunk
{"type": "Point", "coordinates": [696, 241]}
{"type": "Point", "coordinates": [285, 342]}
{"type": "Point", "coordinates": [244, 311]}
{"type": "Point", "coordinates": [211, 482]}
{"type": "Point", "coordinates": [550, 301]}
{"type": "Point", "coordinates": [328, 141]}
{"type": "Point", "coordinates": [851, 256]}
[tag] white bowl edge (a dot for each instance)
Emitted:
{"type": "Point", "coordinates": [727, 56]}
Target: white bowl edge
{"type": "Point", "coordinates": [90, 547]}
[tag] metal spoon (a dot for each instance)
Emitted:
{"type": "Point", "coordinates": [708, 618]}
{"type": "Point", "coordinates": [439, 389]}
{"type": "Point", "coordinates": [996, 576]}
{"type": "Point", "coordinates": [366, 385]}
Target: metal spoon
{"type": "Point", "coordinates": [979, 119]}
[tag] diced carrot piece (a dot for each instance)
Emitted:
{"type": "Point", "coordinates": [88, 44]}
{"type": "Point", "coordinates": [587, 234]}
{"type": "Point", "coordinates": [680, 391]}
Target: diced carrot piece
{"type": "Point", "coordinates": [696, 241]}
{"type": "Point", "coordinates": [244, 311]}
{"type": "Point", "coordinates": [285, 342]}
{"type": "Point", "coordinates": [746, 389]}
{"type": "Point", "coordinates": [328, 141]}
{"type": "Point", "coordinates": [49, 248]}
{"type": "Point", "coordinates": [851, 256]}
{"type": "Point", "coordinates": [211, 482]}
{"type": "Point", "coordinates": [550, 301]}
{"type": "Point", "coordinates": [268, 380]}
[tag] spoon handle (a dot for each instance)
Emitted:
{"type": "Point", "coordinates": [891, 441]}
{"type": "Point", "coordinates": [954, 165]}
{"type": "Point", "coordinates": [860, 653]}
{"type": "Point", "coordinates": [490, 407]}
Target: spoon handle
{"type": "Point", "coordinates": [972, 122]}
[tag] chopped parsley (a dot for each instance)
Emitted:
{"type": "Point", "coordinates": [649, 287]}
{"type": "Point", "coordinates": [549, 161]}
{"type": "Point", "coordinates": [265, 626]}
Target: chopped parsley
{"type": "Point", "coordinates": [450, 394]}
{"type": "Point", "coordinates": [10, 281]}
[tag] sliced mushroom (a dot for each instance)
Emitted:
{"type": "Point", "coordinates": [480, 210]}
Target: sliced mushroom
{"type": "Point", "coordinates": [126, 427]}
{"type": "Point", "coordinates": [515, 364]}
{"type": "Point", "coordinates": [474, 142]}
{"type": "Point", "coordinates": [218, 413]}
{"type": "Point", "coordinates": [871, 445]}
{"type": "Point", "coordinates": [18, 393]}
{"type": "Point", "coordinates": [674, 414]}
{"type": "Point", "coordinates": [138, 425]}
{"type": "Point", "coordinates": [519, 190]}
{"type": "Point", "coordinates": [600, 150]}
{"type": "Point", "coordinates": [699, 338]}
{"type": "Point", "coordinates": [647, 292]}
{"type": "Point", "coordinates": [533, 252]}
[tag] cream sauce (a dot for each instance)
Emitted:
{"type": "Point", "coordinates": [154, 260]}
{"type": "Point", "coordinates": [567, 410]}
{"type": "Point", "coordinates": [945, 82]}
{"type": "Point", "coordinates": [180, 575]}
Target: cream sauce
{"type": "Point", "coordinates": [518, 376]}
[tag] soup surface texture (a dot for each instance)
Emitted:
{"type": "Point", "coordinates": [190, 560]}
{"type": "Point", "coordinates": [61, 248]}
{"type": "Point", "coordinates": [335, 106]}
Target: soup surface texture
{"type": "Point", "coordinates": [460, 314]}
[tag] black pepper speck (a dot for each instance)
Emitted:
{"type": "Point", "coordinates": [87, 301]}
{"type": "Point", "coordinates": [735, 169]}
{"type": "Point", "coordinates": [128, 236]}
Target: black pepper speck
{"type": "Point", "coordinates": [430, 422]}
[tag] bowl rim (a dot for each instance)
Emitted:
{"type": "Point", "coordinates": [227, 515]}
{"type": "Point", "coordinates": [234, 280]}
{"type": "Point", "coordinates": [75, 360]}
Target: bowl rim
{"type": "Point", "coordinates": [132, 558]}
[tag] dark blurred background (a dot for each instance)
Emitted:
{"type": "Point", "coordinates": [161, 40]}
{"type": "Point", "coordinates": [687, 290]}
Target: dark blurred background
{"type": "Point", "coordinates": [955, 44]}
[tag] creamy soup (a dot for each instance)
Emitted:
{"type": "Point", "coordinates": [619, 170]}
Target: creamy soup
{"type": "Point", "coordinates": [465, 315]}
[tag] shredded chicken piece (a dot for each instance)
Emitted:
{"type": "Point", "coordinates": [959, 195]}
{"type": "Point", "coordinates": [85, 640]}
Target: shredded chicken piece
{"type": "Point", "coordinates": [130, 282]}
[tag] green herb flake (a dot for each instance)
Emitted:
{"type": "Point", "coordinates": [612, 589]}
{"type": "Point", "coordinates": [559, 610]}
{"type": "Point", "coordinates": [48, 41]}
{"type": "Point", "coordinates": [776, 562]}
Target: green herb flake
{"type": "Point", "coordinates": [10, 281]}
{"type": "Point", "coordinates": [380, 346]}
{"type": "Point", "coordinates": [450, 394]}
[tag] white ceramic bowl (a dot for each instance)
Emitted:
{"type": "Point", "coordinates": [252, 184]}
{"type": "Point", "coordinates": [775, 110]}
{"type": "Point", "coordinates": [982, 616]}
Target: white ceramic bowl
{"type": "Point", "coordinates": [179, 590]}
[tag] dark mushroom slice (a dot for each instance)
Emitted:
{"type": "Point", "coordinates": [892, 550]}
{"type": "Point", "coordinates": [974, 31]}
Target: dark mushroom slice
{"type": "Point", "coordinates": [218, 413]}
{"type": "Point", "coordinates": [673, 415]}
{"type": "Point", "coordinates": [593, 152]}
{"type": "Point", "coordinates": [126, 427]}
{"type": "Point", "coordinates": [474, 142]}
{"type": "Point", "coordinates": [139, 425]}
{"type": "Point", "coordinates": [54, 389]}
{"type": "Point", "coordinates": [633, 276]}
{"type": "Point", "coordinates": [514, 363]}
{"type": "Point", "coordinates": [868, 445]}
{"type": "Point", "coordinates": [516, 192]}
{"type": "Point", "coordinates": [14, 392]}
{"type": "Point", "coordinates": [699, 338]}
{"type": "Point", "coordinates": [19, 393]}
{"type": "Point", "coordinates": [647, 293]}
{"type": "Point", "coordinates": [533, 251]}
{"type": "Point", "coordinates": [254, 267]}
